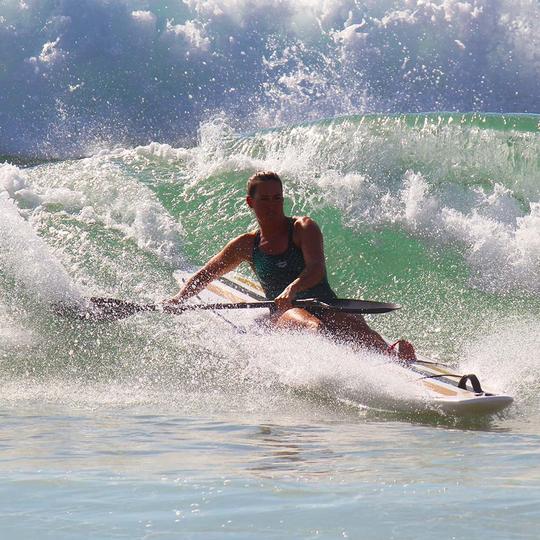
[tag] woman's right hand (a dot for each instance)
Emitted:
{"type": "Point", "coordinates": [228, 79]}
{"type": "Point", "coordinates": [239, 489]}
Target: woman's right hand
{"type": "Point", "coordinates": [172, 305]}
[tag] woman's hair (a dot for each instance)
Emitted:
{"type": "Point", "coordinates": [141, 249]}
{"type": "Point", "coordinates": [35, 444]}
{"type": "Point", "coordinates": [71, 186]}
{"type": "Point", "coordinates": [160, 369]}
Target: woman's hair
{"type": "Point", "coordinates": [258, 178]}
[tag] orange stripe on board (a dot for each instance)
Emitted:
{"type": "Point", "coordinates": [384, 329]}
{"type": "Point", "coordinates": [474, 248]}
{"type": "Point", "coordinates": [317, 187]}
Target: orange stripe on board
{"type": "Point", "coordinates": [225, 293]}
{"type": "Point", "coordinates": [440, 389]}
{"type": "Point", "coordinates": [249, 283]}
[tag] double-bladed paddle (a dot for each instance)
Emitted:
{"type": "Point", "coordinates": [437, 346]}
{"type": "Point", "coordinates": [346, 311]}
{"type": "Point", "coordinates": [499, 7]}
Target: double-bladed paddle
{"type": "Point", "coordinates": [112, 309]}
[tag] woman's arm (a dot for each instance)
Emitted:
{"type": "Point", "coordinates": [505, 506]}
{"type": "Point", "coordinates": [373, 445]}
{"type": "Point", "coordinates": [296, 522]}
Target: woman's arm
{"type": "Point", "coordinates": [235, 252]}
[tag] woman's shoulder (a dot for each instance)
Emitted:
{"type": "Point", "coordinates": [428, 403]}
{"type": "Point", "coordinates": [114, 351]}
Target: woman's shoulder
{"type": "Point", "coordinates": [305, 229]}
{"type": "Point", "coordinates": [304, 223]}
{"type": "Point", "coordinates": [242, 245]}
{"type": "Point", "coordinates": [246, 238]}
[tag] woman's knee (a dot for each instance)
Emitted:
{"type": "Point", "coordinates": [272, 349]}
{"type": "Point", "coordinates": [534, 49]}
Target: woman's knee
{"type": "Point", "coordinates": [300, 319]}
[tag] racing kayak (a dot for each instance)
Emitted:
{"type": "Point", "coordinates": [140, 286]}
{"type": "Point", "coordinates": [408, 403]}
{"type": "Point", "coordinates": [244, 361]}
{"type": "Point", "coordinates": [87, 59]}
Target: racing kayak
{"type": "Point", "coordinates": [442, 390]}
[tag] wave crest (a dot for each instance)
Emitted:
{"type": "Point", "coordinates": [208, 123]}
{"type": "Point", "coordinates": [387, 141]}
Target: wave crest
{"type": "Point", "coordinates": [89, 72]}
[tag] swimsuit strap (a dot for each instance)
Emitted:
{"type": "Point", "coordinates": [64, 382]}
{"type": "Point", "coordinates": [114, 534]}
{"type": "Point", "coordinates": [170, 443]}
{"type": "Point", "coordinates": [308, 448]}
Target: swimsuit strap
{"type": "Point", "coordinates": [257, 240]}
{"type": "Point", "coordinates": [291, 232]}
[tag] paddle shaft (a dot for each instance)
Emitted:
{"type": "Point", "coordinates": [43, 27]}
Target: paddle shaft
{"type": "Point", "coordinates": [180, 308]}
{"type": "Point", "coordinates": [355, 306]}
{"type": "Point", "coordinates": [110, 309]}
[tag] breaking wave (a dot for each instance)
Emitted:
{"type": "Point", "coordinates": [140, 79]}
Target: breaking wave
{"type": "Point", "coordinates": [80, 75]}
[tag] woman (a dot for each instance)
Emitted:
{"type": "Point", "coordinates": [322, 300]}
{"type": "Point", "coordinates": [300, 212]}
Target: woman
{"type": "Point", "coordinates": [287, 256]}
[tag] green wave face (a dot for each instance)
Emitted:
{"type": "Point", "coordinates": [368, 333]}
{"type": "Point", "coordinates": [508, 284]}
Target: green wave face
{"type": "Point", "coordinates": [439, 212]}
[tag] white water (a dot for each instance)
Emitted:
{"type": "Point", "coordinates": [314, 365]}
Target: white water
{"type": "Point", "coordinates": [79, 76]}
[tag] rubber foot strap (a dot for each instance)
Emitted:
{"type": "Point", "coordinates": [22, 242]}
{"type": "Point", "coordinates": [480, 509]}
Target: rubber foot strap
{"type": "Point", "coordinates": [473, 379]}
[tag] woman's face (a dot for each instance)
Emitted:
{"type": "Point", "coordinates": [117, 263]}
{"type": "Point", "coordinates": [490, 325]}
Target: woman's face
{"type": "Point", "coordinates": [267, 202]}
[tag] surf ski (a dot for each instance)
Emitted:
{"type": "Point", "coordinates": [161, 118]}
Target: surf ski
{"type": "Point", "coordinates": [442, 389]}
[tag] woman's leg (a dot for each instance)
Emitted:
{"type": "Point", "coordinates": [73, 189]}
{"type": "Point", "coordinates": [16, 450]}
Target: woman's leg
{"type": "Point", "coordinates": [353, 327]}
{"type": "Point", "coordinates": [347, 326]}
{"type": "Point", "coordinates": [296, 319]}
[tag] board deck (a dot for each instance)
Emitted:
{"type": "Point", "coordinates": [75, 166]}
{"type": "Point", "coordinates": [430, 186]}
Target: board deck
{"type": "Point", "coordinates": [439, 383]}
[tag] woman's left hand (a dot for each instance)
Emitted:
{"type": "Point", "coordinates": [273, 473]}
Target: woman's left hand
{"type": "Point", "coordinates": [284, 300]}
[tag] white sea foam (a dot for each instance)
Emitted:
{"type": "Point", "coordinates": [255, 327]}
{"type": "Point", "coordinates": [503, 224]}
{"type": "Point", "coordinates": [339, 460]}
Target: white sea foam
{"type": "Point", "coordinates": [12, 336]}
{"type": "Point", "coordinates": [329, 369]}
{"type": "Point", "coordinates": [201, 358]}
{"type": "Point", "coordinates": [27, 261]}
{"type": "Point", "coordinates": [94, 190]}
{"type": "Point", "coordinates": [500, 240]}
{"type": "Point", "coordinates": [507, 357]}
{"type": "Point", "coordinates": [158, 69]}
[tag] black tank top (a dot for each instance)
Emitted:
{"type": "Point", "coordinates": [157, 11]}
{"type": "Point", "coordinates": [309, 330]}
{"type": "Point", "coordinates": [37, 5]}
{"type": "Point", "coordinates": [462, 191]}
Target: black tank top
{"type": "Point", "coordinates": [275, 272]}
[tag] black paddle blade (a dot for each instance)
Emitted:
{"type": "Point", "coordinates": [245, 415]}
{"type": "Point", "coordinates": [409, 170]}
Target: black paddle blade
{"type": "Point", "coordinates": [346, 305]}
{"type": "Point", "coordinates": [364, 306]}
{"type": "Point", "coordinates": [102, 310]}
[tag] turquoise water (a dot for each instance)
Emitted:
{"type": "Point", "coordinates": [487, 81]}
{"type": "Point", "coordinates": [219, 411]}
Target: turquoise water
{"type": "Point", "coordinates": [321, 472]}
{"type": "Point", "coordinates": [182, 427]}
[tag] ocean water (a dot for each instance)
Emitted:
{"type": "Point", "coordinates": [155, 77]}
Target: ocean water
{"type": "Point", "coordinates": [128, 131]}
{"type": "Point", "coordinates": [168, 427]}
